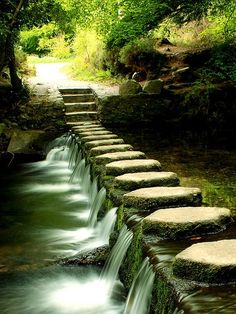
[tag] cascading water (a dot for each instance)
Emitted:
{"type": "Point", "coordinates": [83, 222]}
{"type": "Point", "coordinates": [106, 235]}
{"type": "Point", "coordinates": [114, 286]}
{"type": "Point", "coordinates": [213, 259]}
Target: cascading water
{"type": "Point", "coordinates": [56, 215]}
{"type": "Point", "coordinates": [111, 268]}
{"type": "Point", "coordinates": [139, 297]}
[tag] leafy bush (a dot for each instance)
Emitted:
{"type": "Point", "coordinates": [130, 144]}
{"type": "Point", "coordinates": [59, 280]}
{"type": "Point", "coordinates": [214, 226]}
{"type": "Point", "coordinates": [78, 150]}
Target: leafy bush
{"type": "Point", "coordinates": [31, 40]}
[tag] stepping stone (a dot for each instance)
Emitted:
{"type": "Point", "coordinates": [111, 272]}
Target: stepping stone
{"type": "Point", "coordinates": [182, 222]}
{"type": "Point", "coordinates": [80, 115]}
{"type": "Point", "coordinates": [210, 262]}
{"type": "Point", "coordinates": [81, 123]}
{"type": "Point", "coordinates": [99, 137]}
{"type": "Point", "coordinates": [99, 150]}
{"type": "Point", "coordinates": [162, 197]}
{"type": "Point", "coordinates": [83, 130]}
{"type": "Point", "coordinates": [87, 126]}
{"type": "Point", "coordinates": [90, 133]}
{"type": "Point", "coordinates": [104, 142]}
{"type": "Point", "coordinates": [133, 181]}
{"type": "Point", "coordinates": [110, 157]}
{"type": "Point", "coordinates": [116, 168]}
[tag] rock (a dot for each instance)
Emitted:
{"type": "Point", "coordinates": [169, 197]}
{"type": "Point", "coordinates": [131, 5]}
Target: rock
{"type": "Point", "coordinates": [92, 133]}
{"type": "Point", "coordinates": [133, 181]}
{"type": "Point", "coordinates": [136, 165]}
{"type": "Point", "coordinates": [110, 157]}
{"type": "Point", "coordinates": [162, 197]}
{"type": "Point", "coordinates": [99, 150]}
{"type": "Point", "coordinates": [104, 142]}
{"type": "Point", "coordinates": [130, 87]}
{"type": "Point", "coordinates": [153, 87]}
{"type": "Point", "coordinates": [139, 76]}
{"type": "Point", "coordinates": [22, 141]}
{"type": "Point", "coordinates": [182, 222]}
{"type": "Point", "coordinates": [210, 262]}
{"type": "Point", "coordinates": [82, 130]}
{"type": "Point", "coordinates": [183, 74]}
{"type": "Point", "coordinates": [98, 137]}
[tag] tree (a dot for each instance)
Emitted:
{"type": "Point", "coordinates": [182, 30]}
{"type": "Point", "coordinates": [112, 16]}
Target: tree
{"type": "Point", "coordinates": [16, 14]}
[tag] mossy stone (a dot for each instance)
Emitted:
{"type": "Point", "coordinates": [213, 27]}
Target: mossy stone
{"type": "Point", "coordinates": [162, 197]}
{"type": "Point", "coordinates": [136, 165]}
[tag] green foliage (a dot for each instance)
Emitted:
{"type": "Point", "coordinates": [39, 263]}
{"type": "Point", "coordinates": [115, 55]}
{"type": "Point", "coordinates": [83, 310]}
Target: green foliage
{"type": "Point", "coordinates": [223, 62]}
{"type": "Point", "coordinates": [35, 40]}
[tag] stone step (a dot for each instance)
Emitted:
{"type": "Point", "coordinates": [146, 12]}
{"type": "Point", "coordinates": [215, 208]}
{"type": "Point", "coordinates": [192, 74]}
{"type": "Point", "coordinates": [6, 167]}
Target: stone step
{"type": "Point", "coordinates": [98, 137]}
{"type": "Point", "coordinates": [137, 180]}
{"type": "Point", "coordinates": [82, 130]}
{"type": "Point", "coordinates": [75, 90]}
{"type": "Point", "coordinates": [208, 262]}
{"type": "Point", "coordinates": [75, 124]}
{"type": "Point", "coordinates": [99, 150]}
{"type": "Point", "coordinates": [110, 157]}
{"type": "Point", "coordinates": [80, 116]}
{"type": "Point", "coordinates": [92, 144]}
{"type": "Point", "coordinates": [92, 133]}
{"type": "Point", "coordinates": [154, 198]}
{"type": "Point", "coordinates": [83, 106]}
{"type": "Point", "coordinates": [182, 222]}
{"type": "Point", "coordinates": [88, 126]}
{"type": "Point", "coordinates": [77, 98]}
{"type": "Point", "coordinates": [117, 168]}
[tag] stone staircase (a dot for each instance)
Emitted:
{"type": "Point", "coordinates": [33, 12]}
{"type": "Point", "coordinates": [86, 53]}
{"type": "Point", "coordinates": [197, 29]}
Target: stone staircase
{"type": "Point", "coordinates": [80, 105]}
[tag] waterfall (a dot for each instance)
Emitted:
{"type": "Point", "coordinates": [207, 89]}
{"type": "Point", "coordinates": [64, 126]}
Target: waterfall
{"type": "Point", "coordinates": [96, 206]}
{"type": "Point", "coordinates": [112, 265]}
{"type": "Point", "coordinates": [78, 172]}
{"type": "Point", "coordinates": [102, 232]}
{"type": "Point", "coordinates": [139, 297]}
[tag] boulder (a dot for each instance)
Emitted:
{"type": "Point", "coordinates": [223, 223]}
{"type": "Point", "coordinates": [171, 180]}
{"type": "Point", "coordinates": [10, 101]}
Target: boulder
{"type": "Point", "coordinates": [153, 87]}
{"type": "Point", "coordinates": [130, 87]}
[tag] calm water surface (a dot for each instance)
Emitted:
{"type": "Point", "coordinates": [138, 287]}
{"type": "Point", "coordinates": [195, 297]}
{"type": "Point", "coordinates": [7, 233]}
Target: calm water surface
{"type": "Point", "coordinates": [199, 160]}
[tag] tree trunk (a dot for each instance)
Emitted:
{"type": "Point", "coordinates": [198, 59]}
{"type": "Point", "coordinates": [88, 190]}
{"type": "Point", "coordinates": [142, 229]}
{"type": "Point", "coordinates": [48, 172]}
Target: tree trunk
{"type": "Point", "coordinates": [16, 82]}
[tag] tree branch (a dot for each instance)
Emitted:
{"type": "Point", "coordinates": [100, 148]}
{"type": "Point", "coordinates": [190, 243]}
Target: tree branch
{"type": "Point", "coordinates": [18, 8]}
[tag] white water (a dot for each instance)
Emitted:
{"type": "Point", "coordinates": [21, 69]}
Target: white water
{"type": "Point", "coordinates": [63, 222]}
{"type": "Point", "coordinates": [139, 297]}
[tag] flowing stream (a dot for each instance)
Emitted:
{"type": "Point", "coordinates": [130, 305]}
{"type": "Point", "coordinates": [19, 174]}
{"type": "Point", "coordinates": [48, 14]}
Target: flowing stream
{"type": "Point", "coordinates": [49, 211]}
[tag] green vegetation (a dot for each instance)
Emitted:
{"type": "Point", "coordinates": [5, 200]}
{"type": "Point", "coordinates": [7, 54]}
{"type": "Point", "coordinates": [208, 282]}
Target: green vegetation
{"type": "Point", "coordinates": [111, 37]}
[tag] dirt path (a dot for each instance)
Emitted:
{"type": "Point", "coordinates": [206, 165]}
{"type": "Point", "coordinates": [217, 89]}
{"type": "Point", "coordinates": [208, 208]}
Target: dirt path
{"type": "Point", "coordinates": [50, 75]}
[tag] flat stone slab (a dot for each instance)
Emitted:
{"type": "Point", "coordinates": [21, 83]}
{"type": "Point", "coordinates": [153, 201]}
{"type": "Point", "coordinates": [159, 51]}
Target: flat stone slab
{"type": "Point", "coordinates": [86, 126]}
{"type": "Point", "coordinates": [99, 150]}
{"type": "Point", "coordinates": [110, 157]}
{"type": "Point", "coordinates": [133, 181]}
{"type": "Point", "coordinates": [182, 222]}
{"type": "Point", "coordinates": [116, 168]}
{"type": "Point", "coordinates": [83, 130]}
{"type": "Point", "coordinates": [211, 262]}
{"type": "Point", "coordinates": [162, 197]}
{"type": "Point", "coordinates": [92, 144]}
{"type": "Point", "coordinates": [92, 132]}
{"type": "Point", "coordinates": [98, 137]}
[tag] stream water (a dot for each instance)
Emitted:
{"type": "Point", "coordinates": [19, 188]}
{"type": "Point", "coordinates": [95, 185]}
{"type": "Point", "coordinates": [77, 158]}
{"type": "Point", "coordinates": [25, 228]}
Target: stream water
{"type": "Point", "coordinates": [200, 159]}
{"type": "Point", "coordinates": [49, 211]}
